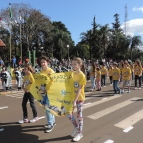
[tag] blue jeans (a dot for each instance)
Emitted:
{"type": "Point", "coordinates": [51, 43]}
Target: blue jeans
{"type": "Point", "coordinates": [50, 117]}
{"type": "Point", "coordinates": [115, 86]}
{"type": "Point", "coordinates": [103, 80]}
{"type": "Point", "coordinates": [92, 78]}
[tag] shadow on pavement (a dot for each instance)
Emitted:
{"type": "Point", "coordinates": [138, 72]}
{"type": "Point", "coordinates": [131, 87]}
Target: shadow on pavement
{"type": "Point", "coordinates": [137, 100]}
{"type": "Point", "coordinates": [16, 134]}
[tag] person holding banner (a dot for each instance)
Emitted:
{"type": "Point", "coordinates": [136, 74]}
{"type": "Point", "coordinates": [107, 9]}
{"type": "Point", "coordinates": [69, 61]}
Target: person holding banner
{"type": "Point", "coordinates": [79, 83]}
{"type": "Point", "coordinates": [27, 82]}
{"type": "Point", "coordinates": [44, 61]}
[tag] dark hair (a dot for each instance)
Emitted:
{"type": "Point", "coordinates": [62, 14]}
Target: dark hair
{"type": "Point", "coordinates": [93, 66]}
{"type": "Point", "coordinates": [80, 62]}
{"type": "Point", "coordinates": [44, 58]}
{"type": "Point", "coordinates": [97, 68]}
{"type": "Point", "coordinates": [29, 67]}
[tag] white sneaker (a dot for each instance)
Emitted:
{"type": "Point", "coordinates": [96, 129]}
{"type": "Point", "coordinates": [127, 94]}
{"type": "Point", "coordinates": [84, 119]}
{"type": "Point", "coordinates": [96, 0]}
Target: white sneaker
{"type": "Point", "coordinates": [91, 89]}
{"type": "Point", "coordinates": [23, 121]}
{"type": "Point", "coordinates": [34, 120]}
{"type": "Point", "coordinates": [74, 132]}
{"type": "Point", "coordinates": [77, 137]}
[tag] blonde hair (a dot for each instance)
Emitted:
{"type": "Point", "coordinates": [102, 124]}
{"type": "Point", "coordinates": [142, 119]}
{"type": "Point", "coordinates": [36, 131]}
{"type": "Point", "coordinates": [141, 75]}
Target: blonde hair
{"type": "Point", "coordinates": [80, 62]}
{"type": "Point", "coordinates": [29, 67]}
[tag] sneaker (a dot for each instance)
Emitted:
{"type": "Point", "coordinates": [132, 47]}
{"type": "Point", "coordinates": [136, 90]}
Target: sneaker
{"type": "Point", "coordinates": [122, 91]}
{"type": "Point", "coordinates": [46, 126]}
{"type": "Point", "coordinates": [23, 121]}
{"type": "Point", "coordinates": [77, 137]}
{"type": "Point", "coordinates": [136, 88]}
{"type": "Point", "coordinates": [139, 88]}
{"type": "Point", "coordinates": [91, 89]}
{"type": "Point", "coordinates": [49, 128]}
{"type": "Point", "coordinates": [34, 120]}
{"type": "Point", "coordinates": [74, 132]}
{"type": "Point", "coordinates": [128, 91]}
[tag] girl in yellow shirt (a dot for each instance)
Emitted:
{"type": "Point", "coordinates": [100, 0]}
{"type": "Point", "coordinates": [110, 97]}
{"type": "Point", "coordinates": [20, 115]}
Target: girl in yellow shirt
{"type": "Point", "coordinates": [79, 83]}
{"type": "Point", "coordinates": [98, 79]}
{"type": "Point", "coordinates": [92, 76]}
{"type": "Point", "coordinates": [138, 73]}
{"type": "Point", "coordinates": [27, 82]}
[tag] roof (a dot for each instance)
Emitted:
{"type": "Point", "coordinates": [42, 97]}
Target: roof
{"type": "Point", "coordinates": [2, 43]}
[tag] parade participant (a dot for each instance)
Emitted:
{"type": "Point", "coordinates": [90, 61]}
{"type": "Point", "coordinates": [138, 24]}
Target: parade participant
{"type": "Point", "coordinates": [3, 76]}
{"type": "Point", "coordinates": [121, 65]}
{"type": "Point", "coordinates": [6, 79]}
{"type": "Point", "coordinates": [126, 76]}
{"type": "Point", "coordinates": [92, 75]}
{"type": "Point", "coordinates": [110, 74]}
{"type": "Point", "coordinates": [116, 78]}
{"type": "Point", "coordinates": [138, 73]}
{"type": "Point", "coordinates": [103, 75]}
{"type": "Point", "coordinates": [44, 61]}
{"type": "Point", "coordinates": [18, 76]}
{"type": "Point", "coordinates": [27, 82]}
{"type": "Point", "coordinates": [98, 79]}
{"type": "Point", "coordinates": [79, 83]}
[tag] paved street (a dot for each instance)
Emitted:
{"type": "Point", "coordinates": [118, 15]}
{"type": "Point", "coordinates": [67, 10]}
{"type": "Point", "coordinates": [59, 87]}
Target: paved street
{"type": "Point", "coordinates": [108, 118]}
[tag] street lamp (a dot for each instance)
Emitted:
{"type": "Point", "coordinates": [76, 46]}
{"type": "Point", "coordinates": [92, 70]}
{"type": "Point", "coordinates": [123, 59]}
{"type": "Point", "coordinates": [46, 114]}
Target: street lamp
{"type": "Point", "coordinates": [68, 50]}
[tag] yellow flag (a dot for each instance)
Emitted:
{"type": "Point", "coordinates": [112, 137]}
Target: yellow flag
{"type": "Point", "coordinates": [57, 90]}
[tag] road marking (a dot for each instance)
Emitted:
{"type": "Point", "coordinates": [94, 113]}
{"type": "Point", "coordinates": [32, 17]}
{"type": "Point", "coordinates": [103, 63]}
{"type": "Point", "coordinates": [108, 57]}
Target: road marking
{"type": "Point", "coordinates": [130, 120]}
{"type": "Point", "coordinates": [111, 109]}
{"type": "Point", "coordinates": [99, 102]}
{"type": "Point", "coordinates": [128, 129]}
{"type": "Point", "coordinates": [87, 103]}
{"type": "Point", "coordinates": [39, 118]}
{"type": "Point", "coordinates": [109, 141]}
{"type": "Point", "coordinates": [15, 96]}
{"type": "Point", "coordinates": [104, 98]}
{"type": "Point", "coordinates": [1, 129]}
{"type": "Point", "coordinates": [4, 107]}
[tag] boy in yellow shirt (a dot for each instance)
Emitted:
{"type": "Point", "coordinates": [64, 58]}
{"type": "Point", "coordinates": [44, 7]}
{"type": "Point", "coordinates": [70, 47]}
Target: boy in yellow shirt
{"type": "Point", "coordinates": [126, 76]}
{"type": "Point", "coordinates": [116, 78]}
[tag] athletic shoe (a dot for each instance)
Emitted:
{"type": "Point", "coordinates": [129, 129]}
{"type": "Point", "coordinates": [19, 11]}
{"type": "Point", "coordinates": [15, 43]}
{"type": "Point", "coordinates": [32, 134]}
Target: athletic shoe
{"type": "Point", "coordinates": [74, 132]}
{"type": "Point", "coordinates": [34, 120]}
{"type": "Point", "coordinates": [128, 91]}
{"type": "Point", "coordinates": [77, 137]}
{"type": "Point", "coordinates": [136, 88]}
{"type": "Point", "coordinates": [91, 89]}
{"type": "Point", "coordinates": [139, 88]}
{"type": "Point", "coordinates": [49, 128]}
{"type": "Point", "coordinates": [46, 126]}
{"type": "Point", "coordinates": [122, 91]}
{"type": "Point", "coordinates": [23, 121]}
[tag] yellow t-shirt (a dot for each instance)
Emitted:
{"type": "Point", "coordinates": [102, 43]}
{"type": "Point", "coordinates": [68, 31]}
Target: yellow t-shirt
{"type": "Point", "coordinates": [110, 72]}
{"type": "Point", "coordinates": [47, 72]}
{"type": "Point", "coordinates": [91, 72]}
{"type": "Point", "coordinates": [98, 75]}
{"type": "Point", "coordinates": [126, 73]}
{"type": "Point", "coordinates": [79, 80]}
{"type": "Point", "coordinates": [116, 73]}
{"type": "Point", "coordinates": [27, 81]}
{"type": "Point", "coordinates": [137, 70]}
{"type": "Point", "coordinates": [103, 71]}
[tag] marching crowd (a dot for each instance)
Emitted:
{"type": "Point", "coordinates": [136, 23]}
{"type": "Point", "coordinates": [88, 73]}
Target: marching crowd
{"type": "Point", "coordinates": [123, 72]}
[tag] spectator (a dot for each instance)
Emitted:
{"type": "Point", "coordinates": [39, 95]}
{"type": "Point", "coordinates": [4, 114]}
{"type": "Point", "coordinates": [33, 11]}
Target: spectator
{"type": "Point", "coordinates": [14, 62]}
{"type": "Point", "coordinates": [1, 62]}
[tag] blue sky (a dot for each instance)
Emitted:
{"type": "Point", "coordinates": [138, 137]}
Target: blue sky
{"type": "Point", "coordinates": [77, 15]}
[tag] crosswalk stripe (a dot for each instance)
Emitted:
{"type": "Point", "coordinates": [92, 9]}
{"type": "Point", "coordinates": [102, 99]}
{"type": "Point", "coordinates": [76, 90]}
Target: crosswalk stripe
{"type": "Point", "coordinates": [15, 95]}
{"type": "Point", "coordinates": [130, 120]}
{"type": "Point", "coordinates": [4, 107]}
{"type": "Point", "coordinates": [99, 102]}
{"type": "Point", "coordinates": [111, 109]}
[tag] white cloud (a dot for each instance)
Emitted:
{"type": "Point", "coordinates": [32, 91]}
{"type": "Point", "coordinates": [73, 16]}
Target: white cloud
{"type": "Point", "coordinates": [134, 27]}
{"type": "Point", "coordinates": [138, 9]}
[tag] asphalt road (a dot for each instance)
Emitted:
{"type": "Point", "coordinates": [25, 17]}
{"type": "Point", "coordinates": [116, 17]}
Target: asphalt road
{"type": "Point", "coordinates": [108, 118]}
